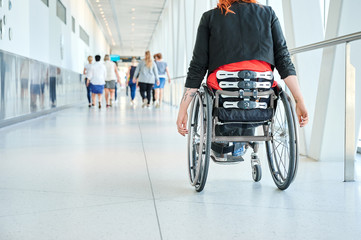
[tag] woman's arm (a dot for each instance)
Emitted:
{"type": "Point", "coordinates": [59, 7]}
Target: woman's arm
{"type": "Point", "coordinates": [287, 70]}
{"type": "Point", "coordinates": [84, 71]}
{"type": "Point", "coordinates": [137, 70]}
{"type": "Point", "coordinates": [127, 75]}
{"type": "Point", "coordinates": [166, 69]}
{"type": "Point", "coordinates": [301, 111]}
{"type": "Point", "coordinates": [155, 71]}
{"type": "Point", "coordinates": [197, 69]}
{"type": "Point", "coordinates": [117, 73]}
{"type": "Point", "coordinates": [89, 77]}
{"type": "Point", "coordinates": [182, 119]}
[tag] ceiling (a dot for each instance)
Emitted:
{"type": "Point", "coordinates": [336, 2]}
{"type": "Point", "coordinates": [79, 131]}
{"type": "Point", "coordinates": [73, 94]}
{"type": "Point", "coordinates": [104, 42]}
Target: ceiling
{"type": "Point", "coordinates": [128, 25]}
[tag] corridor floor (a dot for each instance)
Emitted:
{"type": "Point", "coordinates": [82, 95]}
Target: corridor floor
{"type": "Point", "coordinates": [121, 173]}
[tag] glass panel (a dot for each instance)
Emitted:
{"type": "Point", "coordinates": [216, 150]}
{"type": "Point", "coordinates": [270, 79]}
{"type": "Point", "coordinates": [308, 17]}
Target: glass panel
{"type": "Point", "coordinates": [73, 24]}
{"type": "Point", "coordinates": [46, 2]}
{"type": "Point", "coordinates": [83, 35]}
{"type": "Point", "coordinates": [29, 86]}
{"type": "Point", "coordinates": [61, 11]}
{"type": "Point", "coordinates": [1, 29]}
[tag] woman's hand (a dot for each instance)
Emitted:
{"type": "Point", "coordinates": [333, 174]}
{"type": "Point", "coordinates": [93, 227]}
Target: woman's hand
{"type": "Point", "coordinates": [158, 82]}
{"type": "Point", "coordinates": [182, 119]}
{"type": "Point", "coordinates": [301, 111]}
{"type": "Point", "coordinates": [302, 114]}
{"type": "Point", "coordinates": [182, 123]}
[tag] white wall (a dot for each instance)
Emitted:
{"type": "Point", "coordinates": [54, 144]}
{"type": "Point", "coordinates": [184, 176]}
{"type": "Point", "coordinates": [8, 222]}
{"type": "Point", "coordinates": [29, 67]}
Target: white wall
{"type": "Point", "coordinates": [38, 32]}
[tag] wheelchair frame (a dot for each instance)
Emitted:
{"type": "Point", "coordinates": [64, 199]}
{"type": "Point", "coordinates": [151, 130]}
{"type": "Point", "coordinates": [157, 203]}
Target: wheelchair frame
{"type": "Point", "coordinates": [202, 118]}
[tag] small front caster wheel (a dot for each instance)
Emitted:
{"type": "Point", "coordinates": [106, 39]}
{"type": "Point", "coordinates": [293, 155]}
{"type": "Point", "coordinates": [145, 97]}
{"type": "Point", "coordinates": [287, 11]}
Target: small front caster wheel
{"type": "Point", "coordinates": [256, 172]}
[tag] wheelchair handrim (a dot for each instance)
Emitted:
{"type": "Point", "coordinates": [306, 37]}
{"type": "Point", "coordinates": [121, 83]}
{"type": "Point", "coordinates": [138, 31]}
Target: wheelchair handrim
{"type": "Point", "coordinates": [192, 157]}
{"type": "Point", "coordinates": [283, 134]}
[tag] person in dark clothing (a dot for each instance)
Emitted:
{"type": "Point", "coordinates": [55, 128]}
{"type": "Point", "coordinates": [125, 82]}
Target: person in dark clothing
{"type": "Point", "coordinates": [131, 83]}
{"type": "Point", "coordinates": [236, 35]}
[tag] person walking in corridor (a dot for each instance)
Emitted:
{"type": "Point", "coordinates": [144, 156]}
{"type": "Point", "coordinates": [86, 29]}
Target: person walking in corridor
{"type": "Point", "coordinates": [111, 80]}
{"type": "Point", "coordinates": [96, 80]}
{"type": "Point", "coordinates": [85, 73]}
{"type": "Point", "coordinates": [132, 84]}
{"type": "Point", "coordinates": [146, 74]}
{"type": "Point", "coordinates": [162, 70]}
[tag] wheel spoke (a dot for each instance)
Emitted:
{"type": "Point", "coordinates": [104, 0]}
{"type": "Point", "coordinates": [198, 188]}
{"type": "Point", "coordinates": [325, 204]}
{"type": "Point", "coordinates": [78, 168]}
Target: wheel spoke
{"type": "Point", "coordinates": [276, 153]}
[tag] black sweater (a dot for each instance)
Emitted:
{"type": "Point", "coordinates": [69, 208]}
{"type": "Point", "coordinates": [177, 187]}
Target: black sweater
{"type": "Point", "coordinates": [252, 33]}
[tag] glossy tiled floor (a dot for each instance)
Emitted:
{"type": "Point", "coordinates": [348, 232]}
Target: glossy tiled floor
{"type": "Point", "coordinates": [121, 173]}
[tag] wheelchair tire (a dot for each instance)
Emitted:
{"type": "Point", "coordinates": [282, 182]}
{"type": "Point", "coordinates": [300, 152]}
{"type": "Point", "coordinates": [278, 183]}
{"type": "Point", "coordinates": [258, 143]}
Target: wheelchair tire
{"type": "Point", "coordinates": [257, 172]}
{"type": "Point", "coordinates": [282, 150]}
{"type": "Point", "coordinates": [199, 139]}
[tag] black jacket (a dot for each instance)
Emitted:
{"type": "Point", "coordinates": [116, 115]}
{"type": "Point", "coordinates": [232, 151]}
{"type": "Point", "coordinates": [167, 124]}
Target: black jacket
{"type": "Point", "coordinates": [252, 33]}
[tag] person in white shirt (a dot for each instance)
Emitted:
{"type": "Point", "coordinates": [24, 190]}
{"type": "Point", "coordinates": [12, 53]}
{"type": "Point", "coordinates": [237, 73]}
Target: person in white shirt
{"type": "Point", "coordinates": [110, 80]}
{"type": "Point", "coordinates": [96, 79]}
{"type": "Point", "coordinates": [85, 72]}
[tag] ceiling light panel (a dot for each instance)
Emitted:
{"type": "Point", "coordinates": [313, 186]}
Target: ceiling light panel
{"type": "Point", "coordinates": [136, 22]}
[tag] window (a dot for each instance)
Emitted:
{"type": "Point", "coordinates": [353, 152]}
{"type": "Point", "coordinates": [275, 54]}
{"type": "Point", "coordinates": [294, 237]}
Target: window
{"type": "Point", "coordinates": [46, 2]}
{"type": "Point", "coordinates": [73, 24]}
{"type": "Point", "coordinates": [61, 11]}
{"type": "Point", "coordinates": [1, 28]}
{"type": "Point", "coordinates": [83, 35]}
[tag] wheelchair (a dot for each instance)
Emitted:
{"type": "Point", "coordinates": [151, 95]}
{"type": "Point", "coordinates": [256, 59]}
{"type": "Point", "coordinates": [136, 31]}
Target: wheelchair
{"type": "Point", "coordinates": [219, 119]}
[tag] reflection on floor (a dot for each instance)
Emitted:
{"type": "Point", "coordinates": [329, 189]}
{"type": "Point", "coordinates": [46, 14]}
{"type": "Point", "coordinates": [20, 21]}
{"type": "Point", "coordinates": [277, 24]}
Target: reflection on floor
{"type": "Point", "coordinates": [121, 173]}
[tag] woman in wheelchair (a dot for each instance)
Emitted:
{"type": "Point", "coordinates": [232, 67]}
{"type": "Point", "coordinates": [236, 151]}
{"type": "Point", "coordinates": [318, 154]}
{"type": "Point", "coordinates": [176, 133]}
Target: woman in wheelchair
{"type": "Point", "coordinates": [239, 43]}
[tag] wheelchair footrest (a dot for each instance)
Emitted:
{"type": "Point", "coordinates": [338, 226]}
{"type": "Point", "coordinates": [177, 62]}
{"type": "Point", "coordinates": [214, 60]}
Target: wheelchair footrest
{"type": "Point", "coordinates": [228, 160]}
{"type": "Point", "coordinates": [221, 148]}
{"type": "Point", "coordinates": [231, 158]}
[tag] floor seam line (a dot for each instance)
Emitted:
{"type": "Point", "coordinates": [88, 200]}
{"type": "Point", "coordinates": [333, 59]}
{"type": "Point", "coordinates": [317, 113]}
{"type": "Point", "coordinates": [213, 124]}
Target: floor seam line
{"type": "Point", "coordinates": [150, 180]}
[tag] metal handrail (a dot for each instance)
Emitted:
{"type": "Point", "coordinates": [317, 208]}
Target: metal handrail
{"type": "Point", "coordinates": [179, 77]}
{"type": "Point", "coordinates": [349, 136]}
{"type": "Point", "coordinates": [327, 43]}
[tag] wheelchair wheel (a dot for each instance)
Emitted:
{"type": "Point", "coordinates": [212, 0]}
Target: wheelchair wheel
{"type": "Point", "coordinates": [282, 150]}
{"type": "Point", "coordinates": [256, 173]}
{"type": "Point", "coordinates": [199, 139]}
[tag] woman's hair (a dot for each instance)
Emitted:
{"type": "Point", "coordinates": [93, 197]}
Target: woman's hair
{"type": "Point", "coordinates": [106, 57]}
{"type": "Point", "coordinates": [90, 58]}
{"type": "Point", "coordinates": [148, 59]}
{"type": "Point", "coordinates": [157, 56]}
{"type": "Point", "coordinates": [134, 60]}
{"type": "Point", "coordinates": [224, 5]}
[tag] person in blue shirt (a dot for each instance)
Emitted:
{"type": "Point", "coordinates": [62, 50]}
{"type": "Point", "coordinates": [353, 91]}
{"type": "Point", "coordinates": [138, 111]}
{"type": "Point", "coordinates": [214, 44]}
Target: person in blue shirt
{"type": "Point", "coordinates": [162, 71]}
